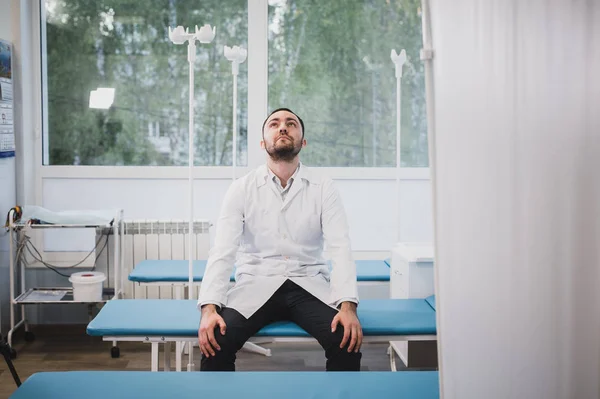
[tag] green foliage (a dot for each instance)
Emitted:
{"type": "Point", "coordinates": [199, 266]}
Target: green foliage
{"type": "Point", "coordinates": [329, 61]}
{"type": "Point", "coordinates": [124, 44]}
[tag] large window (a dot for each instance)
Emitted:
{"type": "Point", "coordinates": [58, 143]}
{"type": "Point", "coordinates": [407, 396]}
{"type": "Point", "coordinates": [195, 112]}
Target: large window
{"type": "Point", "coordinates": [123, 46]}
{"type": "Point", "coordinates": [330, 62]}
{"type": "Point", "coordinates": [327, 60]}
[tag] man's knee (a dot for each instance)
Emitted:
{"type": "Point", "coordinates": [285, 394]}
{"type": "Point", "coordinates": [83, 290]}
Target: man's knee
{"type": "Point", "coordinates": [339, 358]}
{"type": "Point", "coordinates": [227, 342]}
{"type": "Point", "coordinates": [334, 343]}
{"type": "Point", "coordinates": [235, 331]}
{"type": "Point", "coordinates": [224, 357]}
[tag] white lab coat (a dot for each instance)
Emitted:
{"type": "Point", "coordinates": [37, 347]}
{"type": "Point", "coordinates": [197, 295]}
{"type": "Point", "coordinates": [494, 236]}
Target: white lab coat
{"type": "Point", "coordinates": [276, 240]}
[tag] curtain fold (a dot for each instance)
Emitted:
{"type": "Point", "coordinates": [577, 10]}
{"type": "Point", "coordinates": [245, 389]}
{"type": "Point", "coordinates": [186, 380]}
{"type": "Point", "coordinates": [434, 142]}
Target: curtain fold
{"type": "Point", "coordinates": [517, 197]}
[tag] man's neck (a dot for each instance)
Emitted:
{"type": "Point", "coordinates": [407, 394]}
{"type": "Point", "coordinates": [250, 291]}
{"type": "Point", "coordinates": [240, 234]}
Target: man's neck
{"type": "Point", "coordinates": [283, 170]}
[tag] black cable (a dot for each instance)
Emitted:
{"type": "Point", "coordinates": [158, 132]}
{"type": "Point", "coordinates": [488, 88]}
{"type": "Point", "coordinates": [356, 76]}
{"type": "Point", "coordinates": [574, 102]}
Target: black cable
{"type": "Point", "coordinates": [65, 267]}
{"type": "Point", "coordinates": [55, 267]}
{"type": "Point", "coordinates": [5, 349]}
{"type": "Point", "coordinates": [27, 245]}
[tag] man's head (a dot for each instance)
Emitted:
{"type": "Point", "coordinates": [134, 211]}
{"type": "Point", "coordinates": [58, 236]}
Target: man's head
{"type": "Point", "coordinates": [283, 135]}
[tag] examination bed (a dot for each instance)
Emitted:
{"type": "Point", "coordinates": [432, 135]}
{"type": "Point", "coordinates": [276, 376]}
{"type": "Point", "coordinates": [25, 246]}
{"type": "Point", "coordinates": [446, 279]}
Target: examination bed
{"type": "Point", "coordinates": [158, 321]}
{"type": "Point", "coordinates": [247, 385]}
{"type": "Point", "coordinates": [373, 277]}
{"type": "Point", "coordinates": [177, 271]}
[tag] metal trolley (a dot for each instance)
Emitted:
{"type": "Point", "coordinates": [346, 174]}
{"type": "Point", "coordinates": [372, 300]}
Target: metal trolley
{"type": "Point", "coordinates": [20, 296]}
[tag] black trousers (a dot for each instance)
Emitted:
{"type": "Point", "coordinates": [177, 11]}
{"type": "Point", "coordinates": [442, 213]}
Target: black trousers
{"type": "Point", "coordinates": [289, 303]}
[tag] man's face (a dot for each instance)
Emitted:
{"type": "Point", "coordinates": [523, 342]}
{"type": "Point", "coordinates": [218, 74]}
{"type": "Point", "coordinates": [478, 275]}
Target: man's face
{"type": "Point", "coordinates": [283, 136]}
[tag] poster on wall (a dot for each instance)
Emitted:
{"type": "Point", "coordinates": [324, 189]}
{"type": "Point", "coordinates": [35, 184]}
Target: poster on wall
{"type": "Point", "coordinates": [7, 131]}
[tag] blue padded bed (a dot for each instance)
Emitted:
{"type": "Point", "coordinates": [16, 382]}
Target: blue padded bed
{"type": "Point", "coordinates": [247, 385]}
{"type": "Point", "coordinates": [181, 318]}
{"type": "Point", "coordinates": [161, 321]}
{"type": "Point", "coordinates": [373, 278]}
{"type": "Point", "coordinates": [177, 271]}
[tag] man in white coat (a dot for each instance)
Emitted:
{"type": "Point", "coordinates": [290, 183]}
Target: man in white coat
{"type": "Point", "coordinates": [273, 226]}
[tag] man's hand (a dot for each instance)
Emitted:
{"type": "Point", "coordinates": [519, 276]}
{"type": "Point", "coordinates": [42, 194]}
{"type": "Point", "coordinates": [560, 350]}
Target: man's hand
{"type": "Point", "coordinates": [206, 334]}
{"type": "Point", "coordinates": [352, 329]}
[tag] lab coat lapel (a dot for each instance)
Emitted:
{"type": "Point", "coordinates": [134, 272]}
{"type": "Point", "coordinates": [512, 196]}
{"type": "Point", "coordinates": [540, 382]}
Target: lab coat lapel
{"type": "Point", "coordinates": [297, 186]}
{"type": "Point", "coordinates": [264, 179]}
{"type": "Point", "coordinates": [271, 185]}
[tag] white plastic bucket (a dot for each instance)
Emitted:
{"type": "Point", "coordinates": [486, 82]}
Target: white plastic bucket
{"type": "Point", "coordinates": [87, 286]}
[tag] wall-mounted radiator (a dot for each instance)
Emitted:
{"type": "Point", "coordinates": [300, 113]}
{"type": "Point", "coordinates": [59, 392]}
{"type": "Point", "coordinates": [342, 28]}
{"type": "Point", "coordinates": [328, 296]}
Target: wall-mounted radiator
{"type": "Point", "coordinates": [154, 239]}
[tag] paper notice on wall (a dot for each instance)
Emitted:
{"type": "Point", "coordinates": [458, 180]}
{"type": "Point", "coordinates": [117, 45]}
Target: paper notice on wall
{"type": "Point", "coordinates": [6, 92]}
{"type": "Point", "coordinates": [7, 131]}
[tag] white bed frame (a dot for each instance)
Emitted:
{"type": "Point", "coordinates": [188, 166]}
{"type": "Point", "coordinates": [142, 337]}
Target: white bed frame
{"type": "Point", "coordinates": [168, 340]}
{"type": "Point", "coordinates": [250, 346]}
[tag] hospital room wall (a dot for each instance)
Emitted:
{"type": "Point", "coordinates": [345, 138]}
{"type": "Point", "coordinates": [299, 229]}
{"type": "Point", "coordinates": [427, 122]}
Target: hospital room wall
{"type": "Point", "coordinates": [7, 188]}
{"type": "Point", "coordinates": [372, 217]}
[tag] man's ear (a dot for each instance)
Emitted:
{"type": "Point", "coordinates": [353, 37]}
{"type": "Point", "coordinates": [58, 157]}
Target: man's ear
{"type": "Point", "coordinates": [303, 143]}
{"type": "Point", "coordinates": [262, 144]}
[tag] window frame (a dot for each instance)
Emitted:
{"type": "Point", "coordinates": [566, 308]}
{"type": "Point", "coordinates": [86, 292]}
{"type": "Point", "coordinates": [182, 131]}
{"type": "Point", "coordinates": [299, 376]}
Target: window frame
{"type": "Point", "coordinates": [257, 107]}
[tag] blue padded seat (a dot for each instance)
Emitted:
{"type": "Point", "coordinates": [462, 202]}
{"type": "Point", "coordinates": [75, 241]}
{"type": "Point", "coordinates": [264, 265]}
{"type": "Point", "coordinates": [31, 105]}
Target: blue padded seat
{"type": "Point", "coordinates": [156, 317]}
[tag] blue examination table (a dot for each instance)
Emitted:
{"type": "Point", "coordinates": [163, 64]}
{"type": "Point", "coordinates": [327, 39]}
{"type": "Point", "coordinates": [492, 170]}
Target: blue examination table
{"type": "Point", "coordinates": [373, 276]}
{"type": "Point", "coordinates": [164, 321]}
{"type": "Point", "coordinates": [238, 385]}
{"type": "Point", "coordinates": [154, 271]}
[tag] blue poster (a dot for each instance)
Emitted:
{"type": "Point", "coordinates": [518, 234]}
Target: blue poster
{"type": "Point", "coordinates": [5, 60]}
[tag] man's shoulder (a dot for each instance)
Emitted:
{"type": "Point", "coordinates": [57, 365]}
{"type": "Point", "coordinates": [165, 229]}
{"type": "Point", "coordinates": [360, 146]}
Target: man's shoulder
{"type": "Point", "coordinates": [251, 178]}
{"type": "Point", "coordinates": [313, 176]}
{"type": "Point", "coordinates": [257, 174]}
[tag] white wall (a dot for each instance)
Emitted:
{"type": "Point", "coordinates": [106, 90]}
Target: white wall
{"type": "Point", "coordinates": [7, 189]}
{"type": "Point", "coordinates": [370, 205]}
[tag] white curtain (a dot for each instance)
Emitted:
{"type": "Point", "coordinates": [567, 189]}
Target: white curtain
{"type": "Point", "coordinates": [516, 165]}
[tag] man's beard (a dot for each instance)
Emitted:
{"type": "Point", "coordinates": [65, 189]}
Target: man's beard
{"type": "Point", "coordinates": [284, 153]}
